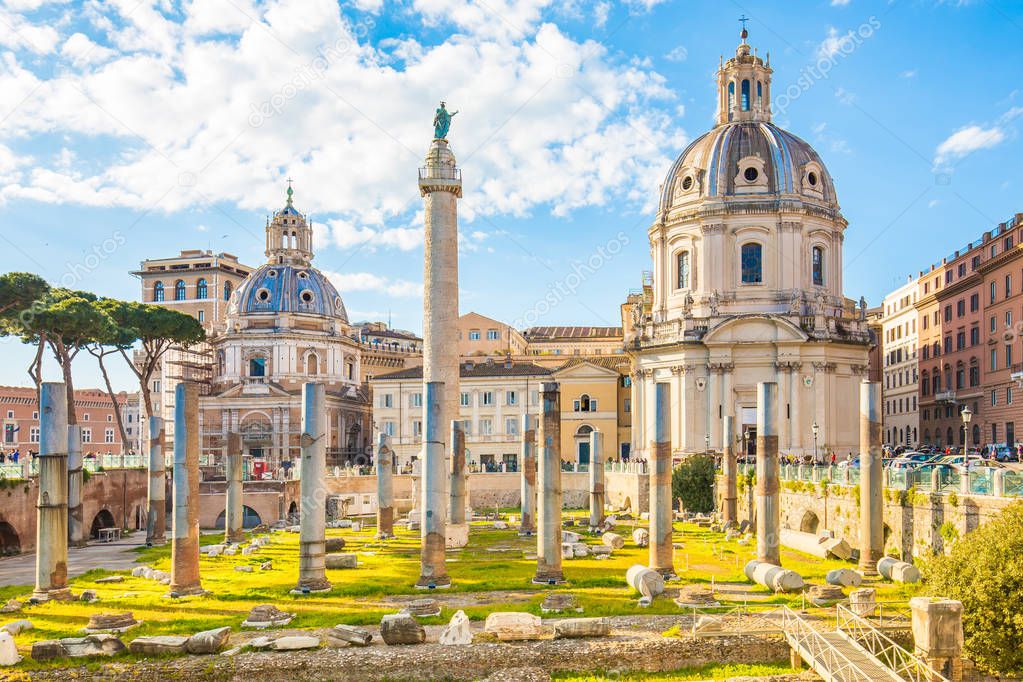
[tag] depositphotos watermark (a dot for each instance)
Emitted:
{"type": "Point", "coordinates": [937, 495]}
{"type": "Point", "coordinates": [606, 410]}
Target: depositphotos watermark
{"type": "Point", "coordinates": [581, 271]}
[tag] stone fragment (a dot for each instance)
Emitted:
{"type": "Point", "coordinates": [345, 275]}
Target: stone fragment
{"type": "Point", "coordinates": [844, 577]}
{"type": "Point", "coordinates": [837, 548]}
{"type": "Point", "coordinates": [214, 550]}
{"type": "Point", "coordinates": [346, 634]}
{"type": "Point", "coordinates": [571, 628]}
{"type": "Point", "coordinates": [243, 569]}
{"type": "Point", "coordinates": [526, 674]}
{"type": "Point", "coordinates": [110, 579]}
{"type": "Point", "coordinates": [111, 622]}
{"type": "Point", "coordinates": [265, 616]}
{"type": "Point", "coordinates": [295, 643]}
{"type": "Point", "coordinates": [208, 641]}
{"type": "Point", "coordinates": [266, 566]}
{"type": "Point", "coordinates": [898, 571]}
{"type": "Point", "coordinates": [77, 647]}
{"type": "Point", "coordinates": [260, 643]}
{"type": "Point", "coordinates": [11, 606]}
{"type": "Point", "coordinates": [230, 551]}
{"type": "Point", "coordinates": [401, 628]}
{"type": "Point", "coordinates": [334, 561]}
{"type": "Point", "coordinates": [233, 651]}
{"type": "Point", "coordinates": [862, 602]}
{"type": "Point", "coordinates": [9, 651]}
{"type": "Point", "coordinates": [334, 544]}
{"type": "Point", "coordinates": [825, 595]}
{"type": "Point", "coordinates": [580, 549]}
{"type": "Point", "coordinates": [159, 575]}
{"type": "Point", "coordinates": [556, 602]}
{"type": "Point", "coordinates": [500, 525]}
{"type": "Point", "coordinates": [647, 582]}
{"type": "Point", "coordinates": [570, 537]}
{"type": "Point", "coordinates": [773, 577]}
{"type": "Point", "coordinates": [158, 644]}
{"type": "Point", "coordinates": [613, 540]}
{"type": "Point", "coordinates": [357, 526]}
{"type": "Point", "coordinates": [744, 526]}
{"type": "Point", "coordinates": [88, 596]}
{"type": "Point", "coordinates": [16, 627]}
{"type": "Point", "coordinates": [456, 535]}
{"type": "Point", "coordinates": [423, 608]}
{"type": "Point", "coordinates": [513, 626]}
{"type": "Point", "coordinates": [641, 536]}
{"type": "Point", "coordinates": [458, 631]}
{"type": "Point", "coordinates": [249, 551]}
{"type": "Point", "coordinates": [139, 571]}
{"type": "Point", "coordinates": [567, 551]}
{"type": "Point", "coordinates": [695, 594]}
{"type": "Point", "coordinates": [600, 551]}
{"type": "Point", "coordinates": [344, 523]}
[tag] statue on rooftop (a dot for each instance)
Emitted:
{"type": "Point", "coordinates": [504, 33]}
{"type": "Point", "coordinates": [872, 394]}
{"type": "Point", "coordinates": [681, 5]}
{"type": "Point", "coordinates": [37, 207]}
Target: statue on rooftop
{"type": "Point", "coordinates": [442, 122]}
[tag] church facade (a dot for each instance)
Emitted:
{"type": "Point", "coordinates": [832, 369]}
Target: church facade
{"type": "Point", "coordinates": [747, 286]}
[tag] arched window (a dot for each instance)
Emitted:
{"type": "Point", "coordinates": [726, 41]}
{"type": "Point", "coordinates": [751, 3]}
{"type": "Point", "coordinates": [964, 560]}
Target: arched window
{"type": "Point", "coordinates": [744, 101]}
{"type": "Point", "coordinates": [227, 291]}
{"type": "Point", "coordinates": [158, 291]}
{"type": "Point", "coordinates": [760, 92]}
{"type": "Point", "coordinates": [925, 386]}
{"type": "Point", "coordinates": [927, 436]}
{"type": "Point", "coordinates": [683, 270]}
{"type": "Point", "coordinates": [312, 364]}
{"type": "Point", "coordinates": [976, 434]}
{"type": "Point", "coordinates": [179, 290]}
{"type": "Point", "coordinates": [201, 288]}
{"type": "Point", "coordinates": [948, 436]}
{"type": "Point", "coordinates": [731, 99]}
{"type": "Point", "coordinates": [752, 263]}
{"type": "Point", "coordinates": [257, 367]}
{"type": "Point", "coordinates": [818, 266]}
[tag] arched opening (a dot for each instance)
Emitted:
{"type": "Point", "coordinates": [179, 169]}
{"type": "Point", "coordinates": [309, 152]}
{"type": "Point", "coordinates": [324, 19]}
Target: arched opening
{"type": "Point", "coordinates": [731, 99]}
{"type": "Point", "coordinates": [293, 514]}
{"type": "Point", "coordinates": [582, 444]}
{"type": "Point", "coordinates": [201, 288]}
{"type": "Point", "coordinates": [10, 543]}
{"type": "Point", "coordinates": [744, 102]}
{"type": "Point", "coordinates": [312, 364]}
{"type": "Point", "coordinates": [158, 292]}
{"type": "Point", "coordinates": [976, 434]}
{"type": "Point", "coordinates": [683, 270]}
{"type": "Point", "coordinates": [752, 262]}
{"type": "Point", "coordinates": [250, 519]}
{"type": "Point", "coordinates": [809, 522]}
{"type": "Point", "coordinates": [104, 519]}
{"type": "Point", "coordinates": [585, 404]}
{"type": "Point", "coordinates": [227, 291]}
{"type": "Point", "coordinates": [818, 266]}
{"type": "Point", "coordinates": [179, 290]}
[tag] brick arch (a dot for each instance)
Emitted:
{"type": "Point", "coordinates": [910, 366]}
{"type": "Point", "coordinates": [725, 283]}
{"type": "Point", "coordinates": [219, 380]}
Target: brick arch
{"type": "Point", "coordinates": [10, 541]}
{"type": "Point", "coordinates": [103, 519]}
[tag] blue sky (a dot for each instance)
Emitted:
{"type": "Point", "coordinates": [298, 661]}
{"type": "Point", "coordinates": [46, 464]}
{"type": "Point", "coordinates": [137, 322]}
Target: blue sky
{"type": "Point", "coordinates": [135, 129]}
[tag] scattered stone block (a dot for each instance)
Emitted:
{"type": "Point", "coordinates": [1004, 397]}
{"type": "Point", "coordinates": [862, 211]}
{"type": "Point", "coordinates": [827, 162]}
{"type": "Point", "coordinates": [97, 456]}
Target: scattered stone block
{"type": "Point", "coordinates": [514, 626]}
{"type": "Point", "coordinates": [16, 627]}
{"type": "Point", "coordinates": [401, 628]}
{"type": "Point", "coordinates": [580, 549]}
{"type": "Point", "coordinates": [110, 579]}
{"type": "Point", "coordinates": [566, 550]}
{"type": "Point", "coordinates": [295, 643]}
{"type": "Point", "coordinates": [9, 650]}
{"type": "Point", "coordinates": [600, 551]}
{"type": "Point", "coordinates": [898, 571]}
{"type": "Point", "coordinates": [423, 608]}
{"type": "Point", "coordinates": [696, 594]}
{"type": "Point", "coordinates": [570, 537]}
{"type": "Point", "coordinates": [556, 602]}
{"type": "Point", "coordinates": [230, 551]}
{"type": "Point", "coordinates": [346, 634]}
{"type": "Point", "coordinates": [641, 537]}
{"type": "Point", "coordinates": [88, 596]}
{"type": "Point", "coordinates": [862, 602]}
{"type": "Point", "coordinates": [260, 643]}
{"type": "Point", "coordinates": [344, 523]}
{"type": "Point", "coordinates": [500, 525]}
{"type": "Point", "coordinates": [266, 566]}
{"type": "Point", "coordinates": [647, 582]}
{"type": "Point", "coordinates": [139, 571]}
{"type": "Point", "coordinates": [744, 526]}
{"type": "Point", "coordinates": [214, 550]}
{"type": "Point", "coordinates": [773, 577]}
{"type": "Point", "coordinates": [334, 561]}
{"type": "Point", "coordinates": [825, 595]}
{"type": "Point", "coordinates": [334, 544]}
{"type": "Point", "coordinates": [837, 548]}
{"type": "Point", "coordinates": [572, 628]}
{"type": "Point", "coordinates": [208, 641]}
{"type": "Point", "coordinates": [158, 644]}
{"type": "Point", "coordinates": [456, 535]}
{"type": "Point", "coordinates": [77, 647]}
{"type": "Point", "coordinates": [266, 616]}
{"type": "Point", "coordinates": [844, 577]}
{"type": "Point", "coordinates": [11, 606]}
{"type": "Point", "coordinates": [249, 551]}
{"type": "Point", "coordinates": [111, 622]}
{"type": "Point", "coordinates": [613, 540]}
{"type": "Point", "coordinates": [457, 632]}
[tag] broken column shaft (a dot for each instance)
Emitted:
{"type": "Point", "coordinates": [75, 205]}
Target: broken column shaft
{"type": "Point", "coordinates": [235, 510]}
{"type": "Point", "coordinates": [433, 571]}
{"type": "Point", "coordinates": [661, 548]}
{"type": "Point", "coordinates": [156, 517]}
{"type": "Point", "coordinates": [596, 478]}
{"type": "Point", "coordinates": [871, 503]}
{"type": "Point", "coordinates": [385, 487]}
{"type": "Point", "coordinates": [312, 571]}
{"type": "Point", "coordinates": [457, 440]}
{"type": "Point", "coordinates": [51, 509]}
{"type": "Point", "coordinates": [729, 511]}
{"type": "Point", "coordinates": [768, 484]}
{"type": "Point", "coordinates": [75, 481]}
{"type": "Point", "coordinates": [185, 522]}
{"type": "Point", "coordinates": [548, 539]}
{"type": "Point", "coordinates": [527, 488]}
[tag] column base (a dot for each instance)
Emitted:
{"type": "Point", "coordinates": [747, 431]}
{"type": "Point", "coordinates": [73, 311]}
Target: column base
{"type": "Point", "coordinates": [156, 541]}
{"type": "Point", "coordinates": [312, 587]}
{"type": "Point", "coordinates": [549, 579]}
{"type": "Point", "coordinates": [235, 538]}
{"type": "Point", "coordinates": [527, 532]}
{"type": "Point", "coordinates": [433, 583]}
{"type": "Point", "coordinates": [186, 591]}
{"type": "Point", "coordinates": [78, 544]}
{"type": "Point", "coordinates": [383, 536]}
{"type": "Point", "coordinates": [667, 573]}
{"type": "Point", "coordinates": [59, 594]}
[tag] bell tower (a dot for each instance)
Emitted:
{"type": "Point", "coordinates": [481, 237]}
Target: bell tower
{"type": "Point", "coordinates": [744, 85]}
{"type": "Point", "coordinates": [289, 236]}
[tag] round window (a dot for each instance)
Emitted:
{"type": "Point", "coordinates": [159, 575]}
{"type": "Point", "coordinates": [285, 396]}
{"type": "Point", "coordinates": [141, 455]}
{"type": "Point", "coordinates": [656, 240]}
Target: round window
{"type": "Point", "coordinates": [811, 178]}
{"type": "Point", "coordinates": [272, 273]}
{"type": "Point", "coordinates": [750, 174]}
{"type": "Point", "coordinates": [687, 183]}
{"type": "Point", "coordinates": [307, 297]}
{"type": "Point", "coordinates": [303, 275]}
{"type": "Point", "coordinates": [263, 295]}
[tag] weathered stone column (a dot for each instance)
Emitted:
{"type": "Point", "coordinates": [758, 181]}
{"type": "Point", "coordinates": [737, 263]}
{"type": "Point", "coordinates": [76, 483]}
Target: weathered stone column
{"type": "Point", "coordinates": [596, 478]}
{"type": "Point", "coordinates": [234, 513]}
{"type": "Point", "coordinates": [51, 509]}
{"type": "Point", "coordinates": [548, 538]}
{"type": "Point", "coordinates": [75, 481]}
{"type": "Point", "coordinates": [385, 487]}
{"type": "Point", "coordinates": [938, 634]}
{"type": "Point", "coordinates": [871, 501]}
{"type": "Point", "coordinates": [185, 523]}
{"type": "Point", "coordinates": [729, 512]}
{"type": "Point", "coordinates": [661, 548]}
{"type": "Point", "coordinates": [527, 490]}
{"type": "Point", "coordinates": [312, 573]}
{"type": "Point", "coordinates": [433, 572]}
{"type": "Point", "coordinates": [156, 517]}
{"type": "Point", "coordinates": [768, 484]}
{"type": "Point", "coordinates": [457, 510]}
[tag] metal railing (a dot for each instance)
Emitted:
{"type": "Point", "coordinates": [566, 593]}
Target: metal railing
{"type": "Point", "coordinates": [861, 632]}
{"type": "Point", "coordinates": [817, 650]}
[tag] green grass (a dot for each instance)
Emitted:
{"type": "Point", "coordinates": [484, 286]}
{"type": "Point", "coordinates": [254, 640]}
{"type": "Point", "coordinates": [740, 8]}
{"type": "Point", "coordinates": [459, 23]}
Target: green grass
{"type": "Point", "coordinates": [493, 562]}
{"type": "Point", "coordinates": [705, 672]}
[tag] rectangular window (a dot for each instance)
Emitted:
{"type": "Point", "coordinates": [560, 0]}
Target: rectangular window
{"type": "Point", "coordinates": [994, 397]}
{"type": "Point", "coordinates": [86, 435]}
{"type": "Point", "coordinates": [994, 359]}
{"type": "Point", "coordinates": [417, 428]}
{"type": "Point", "coordinates": [511, 426]}
{"type": "Point", "coordinates": [627, 405]}
{"type": "Point", "coordinates": [1008, 356]}
{"type": "Point", "coordinates": [387, 400]}
{"type": "Point", "coordinates": [948, 313]}
{"type": "Point", "coordinates": [960, 340]}
{"type": "Point", "coordinates": [974, 303]}
{"type": "Point", "coordinates": [1008, 319]}
{"type": "Point", "coordinates": [962, 270]}
{"type": "Point", "coordinates": [974, 376]}
{"type": "Point", "coordinates": [994, 292]}
{"type": "Point", "coordinates": [415, 400]}
{"type": "Point", "coordinates": [493, 335]}
{"type": "Point", "coordinates": [108, 436]}
{"type": "Point", "coordinates": [511, 398]}
{"type": "Point", "coordinates": [1008, 395]}
{"type": "Point", "coordinates": [924, 321]}
{"type": "Point", "coordinates": [948, 343]}
{"type": "Point", "coordinates": [486, 427]}
{"type": "Point", "coordinates": [1008, 286]}
{"type": "Point", "coordinates": [388, 428]}
{"type": "Point", "coordinates": [993, 325]}
{"type": "Point", "coordinates": [974, 336]}
{"type": "Point", "coordinates": [488, 397]}
{"type": "Point", "coordinates": [463, 399]}
{"type": "Point", "coordinates": [960, 308]}
{"type": "Point", "coordinates": [10, 414]}
{"type": "Point", "coordinates": [33, 434]}
{"type": "Point", "coordinates": [474, 335]}
{"type": "Point", "coordinates": [467, 426]}
{"type": "Point", "coordinates": [948, 277]}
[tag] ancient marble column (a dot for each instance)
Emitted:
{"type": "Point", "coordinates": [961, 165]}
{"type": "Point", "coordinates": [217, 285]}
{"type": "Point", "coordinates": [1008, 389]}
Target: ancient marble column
{"type": "Point", "coordinates": [75, 481]}
{"type": "Point", "coordinates": [312, 573]}
{"type": "Point", "coordinates": [527, 489]}
{"type": "Point", "coordinates": [729, 510]}
{"type": "Point", "coordinates": [458, 493]}
{"type": "Point", "coordinates": [156, 516]}
{"type": "Point", "coordinates": [548, 538]}
{"type": "Point", "coordinates": [596, 478]}
{"type": "Point", "coordinates": [768, 483]}
{"type": "Point", "coordinates": [871, 501]}
{"type": "Point", "coordinates": [385, 487]}
{"type": "Point", "coordinates": [661, 548]}
{"type": "Point", "coordinates": [234, 512]}
{"type": "Point", "coordinates": [433, 572]}
{"type": "Point", "coordinates": [51, 509]}
{"type": "Point", "coordinates": [185, 522]}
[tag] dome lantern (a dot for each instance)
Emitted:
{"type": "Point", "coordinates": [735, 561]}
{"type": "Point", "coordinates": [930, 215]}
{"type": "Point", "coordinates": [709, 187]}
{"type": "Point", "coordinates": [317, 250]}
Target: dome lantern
{"type": "Point", "coordinates": [289, 236]}
{"type": "Point", "coordinates": [744, 86]}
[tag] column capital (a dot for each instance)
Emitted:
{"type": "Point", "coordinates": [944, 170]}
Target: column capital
{"type": "Point", "coordinates": [825, 367]}
{"type": "Point", "coordinates": [678, 370]}
{"type": "Point", "coordinates": [712, 228]}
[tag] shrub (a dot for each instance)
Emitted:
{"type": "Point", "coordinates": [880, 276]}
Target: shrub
{"type": "Point", "coordinates": [692, 482]}
{"type": "Point", "coordinates": [986, 575]}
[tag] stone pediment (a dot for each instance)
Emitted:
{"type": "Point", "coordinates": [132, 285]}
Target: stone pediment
{"type": "Point", "coordinates": [584, 370]}
{"type": "Point", "coordinates": [754, 329]}
{"type": "Point", "coordinates": [247, 389]}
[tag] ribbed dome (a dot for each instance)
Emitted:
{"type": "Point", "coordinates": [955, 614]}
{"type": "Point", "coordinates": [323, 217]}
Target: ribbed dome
{"type": "Point", "coordinates": [276, 288]}
{"type": "Point", "coordinates": [710, 165]}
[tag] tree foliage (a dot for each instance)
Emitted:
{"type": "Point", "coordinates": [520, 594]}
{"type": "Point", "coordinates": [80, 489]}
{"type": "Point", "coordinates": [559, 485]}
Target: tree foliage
{"type": "Point", "coordinates": [110, 339]}
{"type": "Point", "coordinates": [985, 572]}
{"type": "Point", "coordinates": [18, 292]}
{"type": "Point", "coordinates": [692, 482]}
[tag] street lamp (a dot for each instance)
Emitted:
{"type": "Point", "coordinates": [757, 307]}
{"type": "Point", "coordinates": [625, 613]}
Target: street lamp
{"type": "Point", "coordinates": [815, 428]}
{"type": "Point", "coordinates": [967, 415]}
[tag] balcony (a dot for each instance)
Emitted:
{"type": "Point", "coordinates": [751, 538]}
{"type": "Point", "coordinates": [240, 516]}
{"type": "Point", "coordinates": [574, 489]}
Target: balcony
{"type": "Point", "coordinates": [1016, 373]}
{"type": "Point", "coordinates": [945, 396]}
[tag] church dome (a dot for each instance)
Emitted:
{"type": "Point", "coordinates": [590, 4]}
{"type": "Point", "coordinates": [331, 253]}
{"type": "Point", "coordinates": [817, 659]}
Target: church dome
{"type": "Point", "coordinates": [273, 289]}
{"type": "Point", "coordinates": [747, 158]}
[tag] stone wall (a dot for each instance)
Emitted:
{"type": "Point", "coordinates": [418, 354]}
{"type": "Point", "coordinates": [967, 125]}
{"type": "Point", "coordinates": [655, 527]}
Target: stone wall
{"type": "Point", "coordinates": [913, 521]}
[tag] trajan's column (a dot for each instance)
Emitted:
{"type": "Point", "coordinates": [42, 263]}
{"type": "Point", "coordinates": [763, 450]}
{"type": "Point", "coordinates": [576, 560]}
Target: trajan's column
{"type": "Point", "coordinates": [440, 183]}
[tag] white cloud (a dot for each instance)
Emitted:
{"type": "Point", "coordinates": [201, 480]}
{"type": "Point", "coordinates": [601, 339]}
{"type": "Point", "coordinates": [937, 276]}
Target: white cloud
{"type": "Point", "coordinates": [909, 73]}
{"type": "Point", "coordinates": [839, 3]}
{"type": "Point", "coordinates": [844, 96]}
{"type": "Point", "coordinates": [834, 44]}
{"type": "Point", "coordinates": [965, 141]}
{"type": "Point", "coordinates": [601, 11]}
{"type": "Point", "coordinates": [367, 281]}
{"type": "Point", "coordinates": [82, 51]}
{"type": "Point", "coordinates": [18, 33]}
{"type": "Point", "coordinates": [677, 54]}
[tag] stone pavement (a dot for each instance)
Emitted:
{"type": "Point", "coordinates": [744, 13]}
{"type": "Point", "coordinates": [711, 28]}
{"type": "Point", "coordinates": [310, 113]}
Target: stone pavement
{"type": "Point", "coordinates": [117, 555]}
